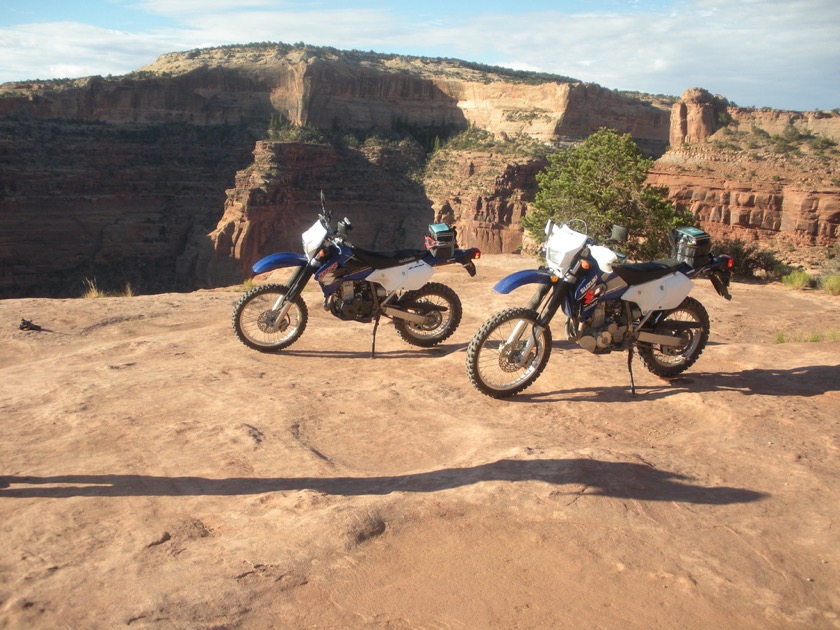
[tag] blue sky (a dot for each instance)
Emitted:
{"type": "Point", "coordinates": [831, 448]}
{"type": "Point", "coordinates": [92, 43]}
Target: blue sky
{"type": "Point", "coordinates": [783, 54]}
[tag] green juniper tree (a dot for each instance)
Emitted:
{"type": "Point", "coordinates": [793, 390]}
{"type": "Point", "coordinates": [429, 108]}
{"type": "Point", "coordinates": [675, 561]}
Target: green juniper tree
{"type": "Point", "coordinates": [602, 181]}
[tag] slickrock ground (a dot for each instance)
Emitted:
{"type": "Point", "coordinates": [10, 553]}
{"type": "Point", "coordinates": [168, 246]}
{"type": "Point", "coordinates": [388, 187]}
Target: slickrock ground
{"type": "Point", "coordinates": [154, 472]}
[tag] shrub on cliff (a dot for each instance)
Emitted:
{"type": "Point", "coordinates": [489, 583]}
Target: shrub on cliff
{"type": "Point", "coordinates": [750, 259]}
{"type": "Point", "coordinates": [602, 181]}
{"type": "Point", "coordinates": [281, 130]}
{"type": "Point", "coordinates": [477, 139]}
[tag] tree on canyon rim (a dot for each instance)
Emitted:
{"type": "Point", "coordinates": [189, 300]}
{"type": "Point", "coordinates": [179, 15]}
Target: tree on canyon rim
{"type": "Point", "coordinates": [602, 181]}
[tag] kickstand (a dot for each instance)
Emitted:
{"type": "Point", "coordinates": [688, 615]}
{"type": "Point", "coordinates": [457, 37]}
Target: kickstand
{"type": "Point", "coordinates": [373, 337]}
{"type": "Point", "coordinates": [630, 370]}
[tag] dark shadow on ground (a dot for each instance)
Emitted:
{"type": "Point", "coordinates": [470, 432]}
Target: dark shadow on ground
{"type": "Point", "coordinates": [598, 478]}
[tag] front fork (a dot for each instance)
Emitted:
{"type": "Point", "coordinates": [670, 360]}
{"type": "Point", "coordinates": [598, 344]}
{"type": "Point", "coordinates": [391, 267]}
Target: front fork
{"type": "Point", "coordinates": [284, 302]}
{"type": "Point", "coordinates": [543, 319]}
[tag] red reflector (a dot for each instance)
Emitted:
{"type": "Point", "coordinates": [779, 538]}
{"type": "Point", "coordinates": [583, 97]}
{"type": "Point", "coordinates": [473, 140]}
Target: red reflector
{"type": "Point", "coordinates": [730, 263]}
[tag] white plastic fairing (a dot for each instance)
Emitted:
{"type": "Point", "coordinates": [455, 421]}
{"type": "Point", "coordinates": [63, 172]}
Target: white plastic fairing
{"type": "Point", "coordinates": [660, 295]}
{"type": "Point", "coordinates": [561, 246]}
{"type": "Point", "coordinates": [411, 276]}
{"type": "Point", "coordinates": [604, 256]}
{"type": "Point", "coordinates": [313, 238]}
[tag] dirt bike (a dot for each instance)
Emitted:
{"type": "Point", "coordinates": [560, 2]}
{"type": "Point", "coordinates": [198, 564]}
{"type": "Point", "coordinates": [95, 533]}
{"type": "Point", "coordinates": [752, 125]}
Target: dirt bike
{"type": "Point", "coordinates": [357, 285]}
{"type": "Point", "coordinates": [609, 303]}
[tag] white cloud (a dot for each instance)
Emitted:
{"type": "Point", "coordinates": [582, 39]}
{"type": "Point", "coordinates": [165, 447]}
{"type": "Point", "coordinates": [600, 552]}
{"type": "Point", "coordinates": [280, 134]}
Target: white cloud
{"type": "Point", "coordinates": [779, 54]}
{"type": "Point", "coordinates": [351, 28]}
{"type": "Point", "coordinates": [756, 52]}
{"type": "Point", "coordinates": [69, 49]}
{"type": "Point", "coordinates": [178, 8]}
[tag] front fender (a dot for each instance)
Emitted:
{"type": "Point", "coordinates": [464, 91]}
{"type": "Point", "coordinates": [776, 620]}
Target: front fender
{"type": "Point", "coordinates": [280, 259]}
{"type": "Point", "coordinates": [521, 278]}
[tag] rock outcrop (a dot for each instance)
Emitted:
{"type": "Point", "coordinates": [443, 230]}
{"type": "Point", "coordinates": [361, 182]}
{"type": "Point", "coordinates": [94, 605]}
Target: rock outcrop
{"type": "Point", "coordinates": [112, 203]}
{"type": "Point", "coordinates": [126, 175]}
{"type": "Point", "coordinates": [485, 195]}
{"type": "Point", "coordinates": [755, 175]}
{"type": "Point", "coordinates": [700, 114]}
{"type": "Point", "coordinates": [756, 211]}
{"type": "Point", "coordinates": [124, 179]}
{"type": "Point", "coordinates": [278, 197]}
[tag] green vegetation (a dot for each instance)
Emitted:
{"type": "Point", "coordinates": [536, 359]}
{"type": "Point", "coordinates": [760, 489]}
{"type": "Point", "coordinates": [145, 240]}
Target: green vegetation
{"type": "Point", "coordinates": [798, 279]}
{"type": "Point", "coordinates": [831, 283]}
{"type": "Point", "coordinates": [791, 143]}
{"type": "Point", "coordinates": [476, 139]}
{"type": "Point", "coordinates": [814, 336]}
{"type": "Point", "coordinates": [281, 130]}
{"type": "Point", "coordinates": [602, 182]}
{"type": "Point", "coordinates": [750, 260]}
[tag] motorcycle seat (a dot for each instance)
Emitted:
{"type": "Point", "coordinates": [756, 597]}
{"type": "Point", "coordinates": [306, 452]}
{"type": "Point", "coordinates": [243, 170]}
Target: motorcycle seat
{"type": "Point", "coordinates": [638, 273]}
{"type": "Point", "coordinates": [384, 260]}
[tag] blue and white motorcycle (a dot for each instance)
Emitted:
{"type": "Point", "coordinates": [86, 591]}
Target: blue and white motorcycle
{"type": "Point", "coordinates": [358, 285]}
{"type": "Point", "coordinates": [609, 305]}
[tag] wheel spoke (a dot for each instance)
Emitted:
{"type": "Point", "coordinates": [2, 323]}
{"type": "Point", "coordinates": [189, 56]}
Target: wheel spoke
{"type": "Point", "coordinates": [442, 311]}
{"type": "Point", "coordinates": [688, 322]}
{"type": "Point", "coordinates": [508, 353]}
{"type": "Point", "coordinates": [258, 325]}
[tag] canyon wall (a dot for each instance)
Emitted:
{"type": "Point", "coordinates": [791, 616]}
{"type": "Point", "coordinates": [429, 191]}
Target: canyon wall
{"type": "Point", "coordinates": [484, 194]}
{"type": "Point", "coordinates": [278, 197]}
{"type": "Point", "coordinates": [160, 178]}
{"type": "Point", "coordinates": [123, 179]}
{"type": "Point", "coordinates": [779, 215]}
{"type": "Point", "coordinates": [114, 204]}
{"type": "Point", "coordinates": [754, 175]}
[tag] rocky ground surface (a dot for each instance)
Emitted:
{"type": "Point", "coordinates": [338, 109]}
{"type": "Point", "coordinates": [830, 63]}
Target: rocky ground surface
{"type": "Point", "coordinates": [154, 472]}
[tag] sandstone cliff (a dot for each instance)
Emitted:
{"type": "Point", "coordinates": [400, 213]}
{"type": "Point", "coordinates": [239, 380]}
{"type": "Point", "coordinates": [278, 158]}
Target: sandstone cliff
{"type": "Point", "coordinates": [125, 179]}
{"type": "Point", "coordinates": [111, 203]}
{"type": "Point", "coordinates": [484, 194]}
{"type": "Point", "coordinates": [278, 197]}
{"type": "Point", "coordinates": [754, 174]}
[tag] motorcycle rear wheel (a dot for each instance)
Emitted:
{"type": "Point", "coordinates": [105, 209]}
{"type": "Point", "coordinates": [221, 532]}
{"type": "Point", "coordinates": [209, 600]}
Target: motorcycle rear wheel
{"type": "Point", "coordinates": [442, 308]}
{"type": "Point", "coordinates": [495, 365]}
{"type": "Point", "coordinates": [252, 319]}
{"type": "Point", "coordinates": [668, 361]}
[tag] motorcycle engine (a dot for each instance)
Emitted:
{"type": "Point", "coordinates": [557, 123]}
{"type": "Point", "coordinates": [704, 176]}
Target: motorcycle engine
{"type": "Point", "coordinates": [603, 331]}
{"type": "Point", "coordinates": [352, 301]}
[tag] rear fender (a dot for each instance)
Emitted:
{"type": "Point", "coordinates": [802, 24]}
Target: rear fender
{"type": "Point", "coordinates": [521, 278]}
{"type": "Point", "coordinates": [278, 260]}
{"type": "Point", "coordinates": [719, 271]}
{"type": "Point", "coordinates": [464, 257]}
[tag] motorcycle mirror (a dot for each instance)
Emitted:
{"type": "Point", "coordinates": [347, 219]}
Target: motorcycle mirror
{"type": "Point", "coordinates": [619, 234]}
{"type": "Point", "coordinates": [327, 216]}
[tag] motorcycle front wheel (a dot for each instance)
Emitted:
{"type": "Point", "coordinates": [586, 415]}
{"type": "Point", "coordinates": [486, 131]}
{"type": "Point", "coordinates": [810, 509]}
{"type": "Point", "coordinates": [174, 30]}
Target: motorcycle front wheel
{"type": "Point", "coordinates": [508, 353]}
{"type": "Point", "coordinates": [690, 321]}
{"type": "Point", "coordinates": [441, 307]}
{"type": "Point", "coordinates": [255, 322]}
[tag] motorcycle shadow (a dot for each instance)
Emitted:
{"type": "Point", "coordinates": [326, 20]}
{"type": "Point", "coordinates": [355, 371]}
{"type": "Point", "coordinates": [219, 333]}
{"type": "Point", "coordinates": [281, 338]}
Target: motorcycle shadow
{"type": "Point", "coordinates": [441, 350]}
{"type": "Point", "coordinates": [626, 480]}
{"type": "Point", "coordinates": [807, 381]}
